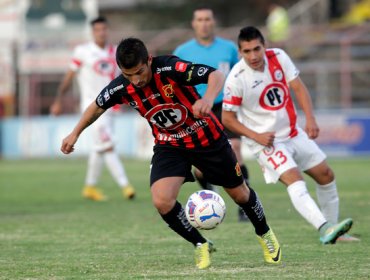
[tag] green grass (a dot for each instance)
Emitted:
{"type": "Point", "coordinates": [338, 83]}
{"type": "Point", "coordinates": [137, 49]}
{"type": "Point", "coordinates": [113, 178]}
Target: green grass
{"type": "Point", "coordinates": [47, 231]}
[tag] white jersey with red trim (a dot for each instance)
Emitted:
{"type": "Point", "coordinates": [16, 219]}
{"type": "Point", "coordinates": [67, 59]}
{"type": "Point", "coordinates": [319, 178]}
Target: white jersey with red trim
{"type": "Point", "coordinates": [95, 67]}
{"type": "Point", "coordinates": [262, 99]}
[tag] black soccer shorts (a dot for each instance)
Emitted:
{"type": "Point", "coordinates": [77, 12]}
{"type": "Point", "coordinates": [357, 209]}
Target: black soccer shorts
{"type": "Point", "coordinates": [217, 163]}
{"type": "Point", "coordinates": [217, 110]}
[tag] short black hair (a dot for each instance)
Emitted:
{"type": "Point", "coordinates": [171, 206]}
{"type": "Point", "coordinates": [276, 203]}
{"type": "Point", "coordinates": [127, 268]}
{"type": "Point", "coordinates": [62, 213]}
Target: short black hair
{"type": "Point", "coordinates": [250, 33]}
{"type": "Point", "coordinates": [99, 19]}
{"type": "Point", "coordinates": [131, 52]}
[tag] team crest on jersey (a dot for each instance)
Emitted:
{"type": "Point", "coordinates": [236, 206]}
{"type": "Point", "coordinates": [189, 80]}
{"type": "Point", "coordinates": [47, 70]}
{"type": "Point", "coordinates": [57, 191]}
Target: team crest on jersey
{"type": "Point", "coordinates": [105, 67]}
{"type": "Point", "coordinates": [167, 116]}
{"type": "Point", "coordinates": [274, 96]}
{"type": "Point", "coordinates": [278, 75]}
{"type": "Point", "coordinates": [168, 90]}
{"type": "Point", "coordinates": [268, 151]}
{"type": "Point", "coordinates": [238, 169]}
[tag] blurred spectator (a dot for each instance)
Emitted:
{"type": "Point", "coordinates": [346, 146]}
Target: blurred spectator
{"type": "Point", "coordinates": [277, 24]}
{"type": "Point", "coordinates": [358, 13]}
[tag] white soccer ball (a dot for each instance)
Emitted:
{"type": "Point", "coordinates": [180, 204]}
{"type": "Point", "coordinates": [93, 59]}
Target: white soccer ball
{"type": "Point", "coordinates": [205, 209]}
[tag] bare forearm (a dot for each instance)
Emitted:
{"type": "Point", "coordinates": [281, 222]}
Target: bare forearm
{"type": "Point", "coordinates": [215, 84]}
{"type": "Point", "coordinates": [91, 114]}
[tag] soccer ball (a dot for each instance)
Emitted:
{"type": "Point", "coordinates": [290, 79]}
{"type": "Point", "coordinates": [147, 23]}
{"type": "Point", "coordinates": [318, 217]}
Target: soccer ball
{"type": "Point", "coordinates": [205, 209]}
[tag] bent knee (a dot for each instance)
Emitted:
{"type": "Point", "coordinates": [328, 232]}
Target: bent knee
{"type": "Point", "coordinates": [163, 206]}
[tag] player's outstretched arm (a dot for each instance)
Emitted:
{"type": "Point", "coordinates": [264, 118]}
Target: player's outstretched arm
{"type": "Point", "coordinates": [56, 107]}
{"type": "Point", "coordinates": [304, 100]}
{"type": "Point", "coordinates": [203, 106]}
{"type": "Point", "coordinates": [91, 114]}
{"type": "Point", "coordinates": [230, 121]}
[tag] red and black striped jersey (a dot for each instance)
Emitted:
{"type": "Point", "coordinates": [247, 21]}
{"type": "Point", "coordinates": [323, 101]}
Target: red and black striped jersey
{"type": "Point", "coordinates": [166, 102]}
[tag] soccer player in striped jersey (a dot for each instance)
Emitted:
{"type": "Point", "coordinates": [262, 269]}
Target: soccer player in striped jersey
{"type": "Point", "coordinates": [258, 88]}
{"type": "Point", "coordinates": [212, 50]}
{"type": "Point", "coordinates": [186, 133]}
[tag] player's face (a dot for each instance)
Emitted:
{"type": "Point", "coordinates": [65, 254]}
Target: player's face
{"type": "Point", "coordinates": [203, 24]}
{"type": "Point", "coordinates": [253, 54]}
{"type": "Point", "coordinates": [100, 33]}
{"type": "Point", "coordinates": [139, 75]}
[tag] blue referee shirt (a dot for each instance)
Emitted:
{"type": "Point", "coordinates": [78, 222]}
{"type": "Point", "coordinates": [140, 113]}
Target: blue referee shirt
{"type": "Point", "coordinates": [221, 54]}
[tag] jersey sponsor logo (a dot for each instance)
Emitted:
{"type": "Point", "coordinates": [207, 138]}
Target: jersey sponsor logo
{"type": "Point", "coordinates": [167, 116]}
{"type": "Point", "coordinates": [163, 69]}
{"type": "Point", "coordinates": [202, 71]}
{"type": "Point", "coordinates": [168, 90]}
{"type": "Point", "coordinates": [256, 83]}
{"type": "Point", "coordinates": [99, 100]}
{"type": "Point", "coordinates": [190, 73]}
{"type": "Point", "coordinates": [184, 132]}
{"type": "Point", "coordinates": [113, 90]}
{"type": "Point", "coordinates": [180, 66]}
{"type": "Point", "coordinates": [151, 97]}
{"type": "Point", "coordinates": [274, 96]}
{"type": "Point", "coordinates": [133, 104]}
{"type": "Point", "coordinates": [106, 95]}
{"type": "Point", "coordinates": [240, 71]}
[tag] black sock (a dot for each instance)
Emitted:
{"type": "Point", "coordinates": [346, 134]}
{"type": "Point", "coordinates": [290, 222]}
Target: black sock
{"type": "Point", "coordinates": [245, 173]}
{"type": "Point", "coordinates": [203, 182]}
{"type": "Point", "coordinates": [254, 210]}
{"type": "Point", "coordinates": [177, 221]}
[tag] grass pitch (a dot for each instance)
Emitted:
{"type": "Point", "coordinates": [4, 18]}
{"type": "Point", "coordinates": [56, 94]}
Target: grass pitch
{"type": "Point", "coordinates": [47, 231]}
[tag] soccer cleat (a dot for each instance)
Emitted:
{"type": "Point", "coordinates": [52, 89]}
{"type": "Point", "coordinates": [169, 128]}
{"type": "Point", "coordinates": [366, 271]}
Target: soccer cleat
{"type": "Point", "coordinates": [270, 246]}
{"type": "Point", "coordinates": [202, 254]}
{"type": "Point", "coordinates": [332, 233]}
{"type": "Point", "coordinates": [348, 238]}
{"type": "Point", "coordinates": [93, 193]}
{"type": "Point", "coordinates": [128, 192]}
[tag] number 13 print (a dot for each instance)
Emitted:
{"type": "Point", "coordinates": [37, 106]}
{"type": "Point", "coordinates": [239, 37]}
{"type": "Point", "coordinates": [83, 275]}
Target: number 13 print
{"type": "Point", "coordinates": [277, 159]}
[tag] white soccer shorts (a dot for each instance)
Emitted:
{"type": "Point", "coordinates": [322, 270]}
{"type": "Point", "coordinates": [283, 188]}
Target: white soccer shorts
{"type": "Point", "coordinates": [299, 151]}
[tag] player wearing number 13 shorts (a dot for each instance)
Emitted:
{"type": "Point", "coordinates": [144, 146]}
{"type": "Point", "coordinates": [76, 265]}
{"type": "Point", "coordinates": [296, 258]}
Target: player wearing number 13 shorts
{"type": "Point", "coordinates": [258, 89]}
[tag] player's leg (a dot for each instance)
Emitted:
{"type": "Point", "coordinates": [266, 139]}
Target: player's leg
{"type": "Point", "coordinates": [94, 168]}
{"type": "Point", "coordinates": [327, 195]}
{"type": "Point", "coordinates": [248, 200]}
{"type": "Point", "coordinates": [236, 145]}
{"type": "Point", "coordinates": [169, 170]}
{"type": "Point", "coordinates": [311, 159]}
{"type": "Point", "coordinates": [105, 144]}
{"type": "Point", "coordinates": [221, 168]}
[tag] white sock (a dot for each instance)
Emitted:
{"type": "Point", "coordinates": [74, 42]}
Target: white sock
{"type": "Point", "coordinates": [116, 168]}
{"type": "Point", "coordinates": [305, 205]}
{"type": "Point", "coordinates": [327, 196]}
{"type": "Point", "coordinates": [94, 168]}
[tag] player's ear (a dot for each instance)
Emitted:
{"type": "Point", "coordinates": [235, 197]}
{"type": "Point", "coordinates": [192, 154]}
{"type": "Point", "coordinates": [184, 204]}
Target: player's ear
{"type": "Point", "coordinates": [150, 59]}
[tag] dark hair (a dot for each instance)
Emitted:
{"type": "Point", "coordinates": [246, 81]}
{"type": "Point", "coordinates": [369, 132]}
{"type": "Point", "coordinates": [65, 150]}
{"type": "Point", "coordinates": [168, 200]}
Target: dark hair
{"type": "Point", "coordinates": [250, 33]}
{"type": "Point", "coordinates": [131, 52]}
{"type": "Point", "coordinates": [100, 19]}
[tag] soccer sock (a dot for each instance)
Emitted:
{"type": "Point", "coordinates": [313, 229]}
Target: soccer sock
{"type": "Point", "coordinates": [254, 210]}
{"type": "Point", "coordinates": [203, 182]}
{"type": "Point", "coordinates": [116, 168]}
{"type": "Point", "coordinates": [327, 196]}
{"type": "Point", "coordinates": [304, 204]}
{"type": "Point", "coordinates": [94, 168]}
{"type": "Point", "coordinates": [178, 222]}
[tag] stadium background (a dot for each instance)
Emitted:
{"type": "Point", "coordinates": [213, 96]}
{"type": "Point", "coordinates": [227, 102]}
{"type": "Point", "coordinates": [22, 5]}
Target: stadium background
{"type": "Point", "coordinates": [329, 41]}
{"type": "Point", "coordinates": [47, 231]}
